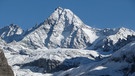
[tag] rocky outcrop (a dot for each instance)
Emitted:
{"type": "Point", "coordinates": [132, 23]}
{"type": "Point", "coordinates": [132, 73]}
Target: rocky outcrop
{"type": "Point", "coordinates": [5, 69]}
{"type": "Point", "coordinates": [46, 65]}
{"type": "Point", "coordinates": [49, 66]}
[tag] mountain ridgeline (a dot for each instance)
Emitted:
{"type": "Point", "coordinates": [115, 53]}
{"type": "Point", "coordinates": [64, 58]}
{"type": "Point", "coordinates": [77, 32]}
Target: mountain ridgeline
{"type": "Point", "coordinates": [63, 29]}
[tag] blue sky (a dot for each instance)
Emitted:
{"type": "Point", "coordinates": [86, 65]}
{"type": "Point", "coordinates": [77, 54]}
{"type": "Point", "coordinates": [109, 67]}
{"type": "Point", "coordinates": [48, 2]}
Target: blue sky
{"type": "Point", "coordinates": [95, 13]}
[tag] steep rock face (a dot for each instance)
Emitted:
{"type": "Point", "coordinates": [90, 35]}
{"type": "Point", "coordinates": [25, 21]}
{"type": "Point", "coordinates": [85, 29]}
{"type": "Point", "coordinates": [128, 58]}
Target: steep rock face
{"type": "Point", "coordinates": [5, 69]}
{"type": "Point", "coordinates": [10, 33]}
{"type": "Point", "coordinates": [62, 29]}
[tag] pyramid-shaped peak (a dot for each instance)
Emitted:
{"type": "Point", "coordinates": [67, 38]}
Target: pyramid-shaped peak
{"type": "Point", "coordinates": [65, 16]}
{"type": "Point", "coordinates": [59, 8]}
{"type": "Point", "coordinates": [62, 9]}
{"type": "Point", "coordinates": [12, 29]}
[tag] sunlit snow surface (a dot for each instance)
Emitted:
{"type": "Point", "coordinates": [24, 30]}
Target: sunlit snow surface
{"type": "Point", "coordinates": [56, 54]}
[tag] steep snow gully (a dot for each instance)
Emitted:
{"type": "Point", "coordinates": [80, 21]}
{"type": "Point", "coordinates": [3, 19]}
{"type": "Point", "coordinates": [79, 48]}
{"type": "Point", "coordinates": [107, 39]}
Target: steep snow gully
{"type": "Point", "coordinates": [63, 45]}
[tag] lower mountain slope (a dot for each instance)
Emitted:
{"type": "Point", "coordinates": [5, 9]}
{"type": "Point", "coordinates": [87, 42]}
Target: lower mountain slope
{"type": "Point", "coordinates": [121, 63]}
{"type": "Point", "coordinates": [49, 61]}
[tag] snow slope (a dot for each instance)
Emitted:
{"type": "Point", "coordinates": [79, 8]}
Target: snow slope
{"type": "Point", "coordinates": [71, 55]}
{"type": "Point", "coordinates": [121, 63]}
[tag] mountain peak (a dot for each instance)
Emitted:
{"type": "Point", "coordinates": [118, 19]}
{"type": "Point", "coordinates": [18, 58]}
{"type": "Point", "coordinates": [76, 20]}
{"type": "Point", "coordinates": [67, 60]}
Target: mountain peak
{"type": "Point", "coordinates": [65, 17]}
{"type": "Point", "coordinates": [11, 32]}
{"type": "Point", "coordinates": [59, 8]}
{"type": "Point", "coordinates": [125, 30]}
{"type": "Point", "coordinates": [62, 29]}
{"type": "Point", "coordinates": [13, 25]}
{"type": "Point", "coordinates": [62, 10]}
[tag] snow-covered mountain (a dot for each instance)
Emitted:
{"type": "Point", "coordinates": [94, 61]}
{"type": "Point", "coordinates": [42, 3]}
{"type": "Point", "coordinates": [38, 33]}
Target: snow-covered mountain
{"type": "Point", "coordinates": [62, 29]}
{"type": "Point", "coordinates": [109, 38]}
{"type": "Point", "coordinates": [63, 45]}
{"type": "Point", "coordinates": [10, 33]}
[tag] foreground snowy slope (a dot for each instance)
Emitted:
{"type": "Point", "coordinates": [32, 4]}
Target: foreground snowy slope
{"type": "Point", "coordinates": [121, 63]}
{"type": "Point", "coordinates": [63, 45]}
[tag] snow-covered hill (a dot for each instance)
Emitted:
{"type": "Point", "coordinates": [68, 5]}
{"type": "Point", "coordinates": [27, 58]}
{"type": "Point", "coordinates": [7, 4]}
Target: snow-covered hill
{"type": "Point", "coordinates": [63, 45]}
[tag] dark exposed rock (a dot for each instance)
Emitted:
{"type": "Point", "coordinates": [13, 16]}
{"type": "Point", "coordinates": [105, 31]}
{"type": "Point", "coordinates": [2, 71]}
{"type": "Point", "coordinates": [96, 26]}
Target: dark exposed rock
{"type": "Point", "coordinates": [123, 42]}
{"type": "Point", "coordinates": [43, 65]}
{"type": "Point", "coordinates": [128, 58]}
{"type": "Point", "coordinates": [46, 64]}
{"type": "Point", "coordinates": [5, 69]}
{"type": "Point", "coordinates": [105, 44]}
